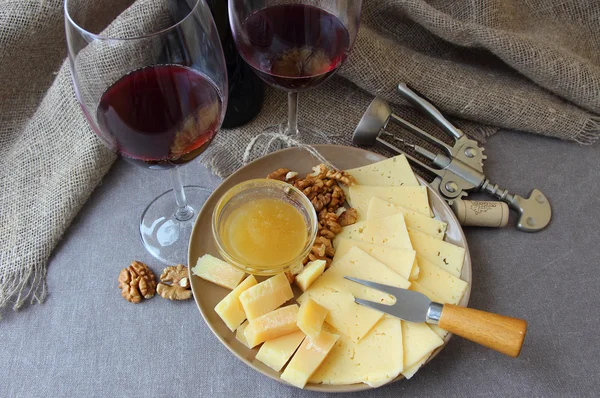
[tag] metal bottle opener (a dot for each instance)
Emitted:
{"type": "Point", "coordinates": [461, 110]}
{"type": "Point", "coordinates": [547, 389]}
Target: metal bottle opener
{"type": "Point", "coordinates": [459, 170]}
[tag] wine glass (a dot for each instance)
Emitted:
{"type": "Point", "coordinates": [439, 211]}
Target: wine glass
{"type": "Point", "coordinates": [295, 45]}
{"type": "Point", "coordinates": [151, 79]}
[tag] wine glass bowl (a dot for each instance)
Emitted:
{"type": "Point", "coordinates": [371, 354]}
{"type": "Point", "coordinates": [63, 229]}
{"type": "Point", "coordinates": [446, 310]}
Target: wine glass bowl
{"type": "Point", "coordinates": [151, 80]}
{"type": "Point", "coordinates": [294, 45]}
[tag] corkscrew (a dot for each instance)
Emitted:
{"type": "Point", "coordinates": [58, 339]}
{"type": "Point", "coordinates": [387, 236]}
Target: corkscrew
{"type": "Point", "coordinates": [458, 170]}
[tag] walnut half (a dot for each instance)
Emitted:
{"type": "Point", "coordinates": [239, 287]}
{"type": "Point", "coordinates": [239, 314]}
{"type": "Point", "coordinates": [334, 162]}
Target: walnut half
{"type": "Point", "coordinates": [137, 281]}
{"type": "Point", "coordinates": [178, 287]}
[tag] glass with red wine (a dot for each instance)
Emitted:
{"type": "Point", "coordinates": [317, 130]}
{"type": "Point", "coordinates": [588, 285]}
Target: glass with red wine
{"type": "Point", "coordinates": [295, 45]}
{"type": "Point", "coordinates": [152, 82]}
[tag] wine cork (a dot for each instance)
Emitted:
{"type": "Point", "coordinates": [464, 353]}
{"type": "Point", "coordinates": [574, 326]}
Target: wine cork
{"type": "Point", "coordinates": [481, 213]}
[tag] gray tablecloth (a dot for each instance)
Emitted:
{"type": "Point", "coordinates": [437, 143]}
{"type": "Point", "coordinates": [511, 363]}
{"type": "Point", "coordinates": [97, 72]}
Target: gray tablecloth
{"type": "Point", "coordinates": [87, 341]}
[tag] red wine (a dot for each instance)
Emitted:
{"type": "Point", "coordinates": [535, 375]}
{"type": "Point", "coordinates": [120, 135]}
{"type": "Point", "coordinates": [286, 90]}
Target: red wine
{"type": "Point", "coordinates": [160, 116]}
{"type": "Point", "coordinates": [293, 46]}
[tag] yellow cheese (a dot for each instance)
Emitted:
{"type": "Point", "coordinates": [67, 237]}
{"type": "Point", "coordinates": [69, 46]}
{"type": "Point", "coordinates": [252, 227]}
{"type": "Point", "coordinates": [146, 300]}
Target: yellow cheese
{"type": "Point", "coordinates": [392, 172]}
{"type": "Point", "coordinates": [380, 208]}
{"type": "Point", "coordinates": [399, 260]}
{"type": "Point", "coordinates": [410, 372]}
{"type": "Point", "coordinates": [418, 341]}
{"type": "Point", "coordinates": [218, 271]}
{"type": "Point", "coordinates": [337, 294]}
{"type": "Point", "coordinates": [266, 296]}
{"type": "Point", "coordinates": [375, 360]}
{"type": "Point", "coordinates": [389, 232]}
{"type": "Point", "coordinates": [311, 317]}
{"type": "Point", "coordinates": [230, 309]}
{"type": "Point", "coordinates": [343, 310]}
{"type": "Point", "coordinates": [415, 286]}
{"type": "Point", "coordinates": [414, 272]}
{"type": "Point", "coordinates": [445, 285]}
{"type": "Point", "coordinates": [272, 325]}
{"type": "Point", "coordinates": [413, 198]}
{"type": "Point", "coordinates": [309, 274]}
{"type": "Point", "coordinates": [239, 334]}
{"type": "Point", "coordinates": [308, 358]}
{"type": "Point", "coordinates": [275, 353]}
{"type": "Point", "coordinates": [443, 254]}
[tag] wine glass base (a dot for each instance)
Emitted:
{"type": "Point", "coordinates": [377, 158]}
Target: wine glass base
{"type": "Point", "coordinates": [276, 137]}
{"type": "Point", "coordinates": [163, 235]}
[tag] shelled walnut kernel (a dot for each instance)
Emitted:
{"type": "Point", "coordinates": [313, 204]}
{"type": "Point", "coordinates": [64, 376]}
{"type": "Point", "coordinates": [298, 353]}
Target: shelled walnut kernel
{"type": "Point", "coordinates": [137, 281]}
{"type": "Point", "coordinates": [174, 283]}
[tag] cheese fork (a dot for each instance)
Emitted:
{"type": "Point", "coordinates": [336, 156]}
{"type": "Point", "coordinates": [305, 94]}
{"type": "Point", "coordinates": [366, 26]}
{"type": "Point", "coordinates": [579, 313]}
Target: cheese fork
{"type": "Point", "coordinates": [498, 332]}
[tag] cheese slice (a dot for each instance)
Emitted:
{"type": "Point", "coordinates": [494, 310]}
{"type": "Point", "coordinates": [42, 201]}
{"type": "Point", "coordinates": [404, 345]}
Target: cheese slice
{"type": "Point", "coordinates": [375, 360]}
{"type": "Point", "coordinates": [445, 285]}
{"type": "Point", "coordinates": [410, 372]}
{"type": "Point", "coordinates": [309, 274]}
{"type": "Point", "coordinates": [308, 358]}
{"type": "Point", "coordinates": [311, 317]}
{"type": "Point", "coordinates": [392, 172]}
{"type": "Point", "coordinates": [337, 294]}
{"type": "Point", "coordinates": [443, 254]}
{"type": "Point", "coordinates": [418, 341]}
{"type": "Point", "coordinates": [390, 232]}
{"type": "Point", "coordinates": [230, 309]}
{"type": "Point", "coordinates": [400, 261]}
{"type": "Point", "coordinates": [414, 272]}
{"type": "Point", "coordinates": [218, 271]}
{"type": "Point", "coordinates": [239, 334]}
{"type": "Point", "coordinates": [266, 296]}
{"type": "Point", "coordinates": [415, 286]}
{"type": "Point", "coordinates": [272, 325]}
{"type": "Point", "coordinates": [413, 198]}
{"type": "Point", "coordinates": [351, 319]}
{"type": "Point", "coordinates": [275, 353]}
{"type": "Point", "coordinates": [379, 208]}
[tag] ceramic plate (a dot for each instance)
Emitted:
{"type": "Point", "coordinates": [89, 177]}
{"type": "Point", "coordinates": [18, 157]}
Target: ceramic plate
{"type": "Point", "coordinates": [207, 295]}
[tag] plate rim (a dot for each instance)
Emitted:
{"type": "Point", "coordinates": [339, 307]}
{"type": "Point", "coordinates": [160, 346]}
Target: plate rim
{"type": "Point", "coordinates": [341, 388]}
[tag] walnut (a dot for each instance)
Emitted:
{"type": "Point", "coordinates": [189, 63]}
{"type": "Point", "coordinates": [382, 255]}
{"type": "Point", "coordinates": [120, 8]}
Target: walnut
{"type": "Point", "coordinates": [348, 217]}
{"type": "Point", "coordinates": [179, 287]}
{"type": "Point", "coordinates": [303, 183]}
{"type": "Point", "coordinates": [318, 249]}
{"type": "Point", "coordinates": [278, 174]}
{"type": "Point", "coordinates": [333, 226]}
{"type": "Point", "coordinates": [320, 201]}
{"type": "Point", "coordinates": [319, 172]}
{"type": "Point", "coordinates": [137, 281]}
{"type": "Point", "coordinates": [341, 176]}
{"type": "Point", "coordinates": [326, 233]}
{"type": "Point", "coordinates": [337, 198]}
{"type": "Point", "coordinates": [291, 176]}
{"type": "Point", "coordinates": [329, 252]}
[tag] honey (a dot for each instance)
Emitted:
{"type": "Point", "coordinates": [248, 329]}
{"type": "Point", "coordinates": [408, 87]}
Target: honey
{"type": "Point", "coordinates": [265, 233]}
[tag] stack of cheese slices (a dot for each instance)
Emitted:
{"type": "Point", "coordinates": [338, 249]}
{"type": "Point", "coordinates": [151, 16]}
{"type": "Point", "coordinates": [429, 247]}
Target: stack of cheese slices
{"type": "Point", "coordinates": [329, 338]}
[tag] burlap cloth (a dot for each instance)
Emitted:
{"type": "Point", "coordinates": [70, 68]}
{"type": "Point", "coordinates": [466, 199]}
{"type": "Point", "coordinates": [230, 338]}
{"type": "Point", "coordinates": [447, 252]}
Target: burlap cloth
{"type": "Point", "coordinates": [532, 66]}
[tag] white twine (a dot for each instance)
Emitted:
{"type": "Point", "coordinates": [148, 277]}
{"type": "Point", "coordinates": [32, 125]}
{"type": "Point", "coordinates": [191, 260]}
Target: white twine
{"type": "Point", "coordinates": [284, 141]}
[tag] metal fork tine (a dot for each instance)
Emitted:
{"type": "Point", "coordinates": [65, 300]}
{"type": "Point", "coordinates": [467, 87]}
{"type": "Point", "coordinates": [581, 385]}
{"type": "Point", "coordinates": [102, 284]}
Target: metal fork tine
{"type": "Point", "coordinates": [378, 286]}
{"type": "Point", "coordinates": [376, 306]}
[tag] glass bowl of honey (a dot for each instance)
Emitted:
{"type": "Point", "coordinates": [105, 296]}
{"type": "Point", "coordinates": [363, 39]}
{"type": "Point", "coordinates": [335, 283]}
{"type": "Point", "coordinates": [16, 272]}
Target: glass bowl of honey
{"type": "Point", "coordinates": [264, 226]}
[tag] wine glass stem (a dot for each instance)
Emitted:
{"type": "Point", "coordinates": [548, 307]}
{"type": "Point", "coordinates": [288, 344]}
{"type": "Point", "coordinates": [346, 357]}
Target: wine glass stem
{"type": "Point", "coordinates": [184, 212]}
{"type": "Point", "coordinates": [292, 127]}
